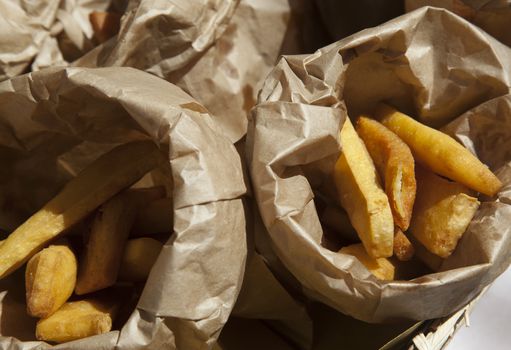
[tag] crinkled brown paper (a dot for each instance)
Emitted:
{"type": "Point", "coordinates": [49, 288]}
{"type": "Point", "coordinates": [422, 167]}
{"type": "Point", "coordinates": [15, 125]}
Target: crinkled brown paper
{"type": "Point", "coordinates": [429, 63]}
{"type": "Point", "coordinates": [55, 121]}
{"type": "Point", "coordinates": [35, 34]}
{"type": "Point", "coordinates": [494, 16]}
{"type": "Point", "coordinates": [218, 51]}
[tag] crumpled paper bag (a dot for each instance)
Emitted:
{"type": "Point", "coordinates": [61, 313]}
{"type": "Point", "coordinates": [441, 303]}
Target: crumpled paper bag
{"type": "Point", "coordinates": [218, 51]}
{"type": "Point", "coordinates": [38, 34]}
{"type": "Point", "coordinates": [263, 297]}
{"type": "Point", "coordinates": [56, 121]}
{"type": "Point", "coordinates": [494, 16]}
{"type": "Point", "coordinates": [429, 63]}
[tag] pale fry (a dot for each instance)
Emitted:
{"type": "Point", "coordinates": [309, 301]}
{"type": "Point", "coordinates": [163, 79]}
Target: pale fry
{"type": "Point", "coordinates": [403, 248]}
{"type": "Point", "coordinates": [76, 320]}
{"type": "Point", "coordinates": [109, 174]}
{"type": "Point", "coordinates": [139, 257]}
{"type": "Point", "coordinates": [443, 210]}
{"type": "Point", "coordinates": [440, 152]}
{"type": "Point", "coordinates": [50, 279]}
{"type": "Point", "coordinates": [156, 217]}
{"type": "Point", "coordinates": [381, 268]}
{"type": "Point", "coordinates": [101, 260]}
{"type": "Point", "coordinates": [396, 167]}
{"type": "Point", "coordinates": [361, 195]}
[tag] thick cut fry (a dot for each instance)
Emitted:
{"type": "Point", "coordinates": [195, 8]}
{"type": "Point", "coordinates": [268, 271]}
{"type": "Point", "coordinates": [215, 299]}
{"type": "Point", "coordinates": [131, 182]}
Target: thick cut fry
{"type": "Point", "coordinates": [101, 260]}
{"type": "Point", "coordinates": [76, 320]}
{"type": "Point", "coordinates": [50, 279]}
{"type": "Point", "coordinates": [361, 195]}
{"type": "Point", "coordinates": [443, 210]}
{"type": "Point", "coordinates": [381, 268]}
{"type": "Point", "coordinates": [396, 167]}
{"type": "Point", "coordinates": [440, 152]}
{"type": "Point", "coordinates": [156, 217]}
{"type": "Point", "coordinates": [109, 174]}
{"type": "Point", "coordinates": [104, 24]}
{"type": "Point", "coordinates": [403, 248]}
{"type": "Point", "coordinates": [139, 257]}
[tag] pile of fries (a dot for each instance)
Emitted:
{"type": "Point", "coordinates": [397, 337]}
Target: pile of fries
{"type": "Point", "coordinates": [56, 268]}
{"type": "Point", "coordinates": [407, 190]}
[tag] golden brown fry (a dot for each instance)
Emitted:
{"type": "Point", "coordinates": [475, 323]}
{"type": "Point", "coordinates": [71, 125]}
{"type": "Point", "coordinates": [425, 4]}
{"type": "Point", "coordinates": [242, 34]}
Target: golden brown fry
{"type": "Point", "coordinates": [105, 177]}
{"type": "Point", "coordinates": [381, 268]}
{"type": "Point", "coordinates": [337, 219]}
{"type": "Point", "coordinates": [50, 279]}
{"type": "Point", "coordinates": [396, 167]}
{"type": "Point", "coordinates": [361, 195]}
{"type": "Point", "coordinates": [440, 152]}
{"type": "Point", "coordinates": [156, 217]}
{"type": "Point", "coordinates": [76, 320]}
{"type": "Point", "coordinates": [104, 24]}
{"type": "Point", "coordinates": [403, 248]}
{"type": "Point", "coordinates": [139, 256]}
{"type": "Point", "coordinates": [101, 260]}
{"type": "Point", "coordinates": [443, 210]}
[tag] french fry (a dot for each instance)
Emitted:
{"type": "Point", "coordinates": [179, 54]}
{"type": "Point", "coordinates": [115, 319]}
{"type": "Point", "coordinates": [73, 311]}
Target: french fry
{"type": "Point", "coordinates": [76, 320]}
{"type": "Point", "coordinates": [101, 260]}
{"type": "Point", "coordinates": [403, 248]}
{"type": "Point", "coordinates": [440, 152]}
{"type": "Point", "coordinates": [139, 257]}
{"type": "Point", "coordinates": [104, 24]}
{"type": "Point", "coordinates": [381, 268]}
{"type": "Point", "coordinates": [443, 210]}
{"type": "Point", "coordinates": [109, 174]}
{"type": "Point", "coordinates": [155, 217]}
{"type": "Point", "coordinates": [396, 167]}
{"type": "Point", "coordinates": [361, 195]}
{"type": "Point", "coordinates": [50, 279]}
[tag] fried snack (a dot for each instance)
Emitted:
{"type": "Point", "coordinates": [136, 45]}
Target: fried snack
{"type": "Point", "coordinates": [156, 217]}
{"type": "Point", "coordinates": [440, 152]}
{"type": "Point", "coordinates": [361, 195]}
{"type": "Point", "coordinates": [443, 210]}
{"type": "Point", "coordinates": [106, 176]}
{"type": "Point", "coordinates": [403, 248]}
{"type": "Point", "coordinates": [396, 167]}
{"type": "Point", "coordinates": [50, 279]}
{"type": "Point", "coordinates": [139, 257]}
{"type": "Point", "coordinates": [76, 320]}
{"type": "Point", "coordinates": [338, 220]}
{"type": "Point", "coordinates": [104, 24]}
{"type": "Point", "coordinates": [381, 268]}
{"type": "Point", "coordinates": [101, 260]}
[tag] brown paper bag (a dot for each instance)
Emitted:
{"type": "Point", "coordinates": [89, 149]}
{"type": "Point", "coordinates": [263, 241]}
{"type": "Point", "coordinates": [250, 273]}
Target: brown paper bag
{"type": "Point", "coordinates": [429, 63]}
{"type": "Point", "coordinates": [38, 34]}
{"type": "Point", "coordinates": [218, 51]}
{"type": "Point", "coordinates": [56, 121]}
{"type": "Point", "coordinates": [264, 298]}
{"type": "Point", "coordinates": [494, 16]}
